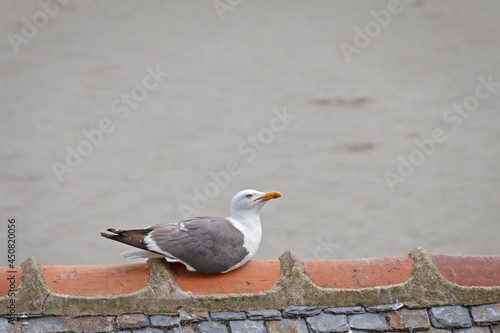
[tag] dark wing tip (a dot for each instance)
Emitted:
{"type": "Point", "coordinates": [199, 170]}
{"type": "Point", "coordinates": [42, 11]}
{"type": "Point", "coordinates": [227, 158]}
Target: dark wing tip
{"type": "Point", "coordinates": [115, 231]}
{"type": "Point", "coordinates": [103, 234]}
{"type": "Point", "coordinates": [130, 237]}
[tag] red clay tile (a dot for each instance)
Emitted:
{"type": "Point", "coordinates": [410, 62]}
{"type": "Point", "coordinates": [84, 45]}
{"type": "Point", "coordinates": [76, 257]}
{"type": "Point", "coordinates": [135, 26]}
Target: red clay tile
{"type": "Point", "coordinates": [5, 274]}
{"type": "Point", "coordinates": [254, 276]}
{"type": "Point", "coordinates": [479, 271]}
{"type": "Point", "coordinates": [359, 273]}
{"type": "Point", "coordinates": [94, 280]}
{"type": "Point", "coordinates": [98, 280]}
{"type": "Point", "coordinates": [260, 275]}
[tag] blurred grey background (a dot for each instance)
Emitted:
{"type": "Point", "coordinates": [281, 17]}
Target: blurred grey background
{"type": "Point", "coordinates": [359, 89]}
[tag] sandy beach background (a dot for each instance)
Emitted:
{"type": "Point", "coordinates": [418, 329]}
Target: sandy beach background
{"type": "Point", "coordinates": [119, 114]}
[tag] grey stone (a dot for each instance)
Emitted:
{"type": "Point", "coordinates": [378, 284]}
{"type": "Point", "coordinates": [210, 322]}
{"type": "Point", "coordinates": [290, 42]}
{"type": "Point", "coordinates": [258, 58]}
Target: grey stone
{"type": "Point", "coordinates": [450, 316]}
{"type": "Point", "coordinates": [495, 329]}
{"type": "Point", "coordinates": [227, 316]}
{"type": "Point", "coordinates": [328, 323]}
{"type": "Point", "coordinates": [4, 323]}
{"type": "Point", "coordinates": [297, 325]}
{"type": "Point", "coordinates": [45, 324]}
{"type": "Point", "coordinates": [91, 324]}
{"type": "Point", "coordinates": [211, 327]}
{"type": "Point", "coordinates": [384, 307]}
{"type": "Point", "coordinates": [347, 310]}
{"type": "Point", "coordinates": [473, 329]}
{"type": "Point", "coordinates": [248, 326]}
{"type": "Point", "coordinates": [486, 314]}
{"type": "Point", "coordinates": [369, 321]}
{"type": "Point", "coordinates": [183, 329]}
{"type": "Point", "coordinates": [174, 330]}
{"type": "Point", "coordinates": [301, 311]}
{"type": "Point", "coordinates": [164, 321]}
{"type": "Point", "coordinates": [269, 314]}
{"type": "Point", "coordinates": [192, 317]}
{"type": "Point", "coordinates": [437, 330]}
{"type": "Point", "coordinates": [132, 321]}
{"type": "Point", "coordinates": [148, 330]}
{"type": "Point", "coordinates": [6, 327]}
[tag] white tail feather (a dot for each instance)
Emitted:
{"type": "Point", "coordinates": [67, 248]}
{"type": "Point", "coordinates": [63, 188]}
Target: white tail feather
{"type": "Point", "coordinates": [137, 254]}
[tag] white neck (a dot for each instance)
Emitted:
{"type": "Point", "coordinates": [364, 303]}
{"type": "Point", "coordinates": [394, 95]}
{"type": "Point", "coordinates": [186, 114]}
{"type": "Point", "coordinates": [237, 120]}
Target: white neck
{"type": "Point", "coordinates": [250, 226]}
{"type": "Point", "coordinates": [246, 214]}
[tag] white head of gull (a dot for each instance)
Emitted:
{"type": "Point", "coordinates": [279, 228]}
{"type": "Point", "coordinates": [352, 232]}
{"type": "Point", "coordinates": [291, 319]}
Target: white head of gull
{"type": "Point", "coordinates": [203, 244]}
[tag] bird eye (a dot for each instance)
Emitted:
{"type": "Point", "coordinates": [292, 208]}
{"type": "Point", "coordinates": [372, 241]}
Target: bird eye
{"type": "Point", "coordinates": [249, 196]}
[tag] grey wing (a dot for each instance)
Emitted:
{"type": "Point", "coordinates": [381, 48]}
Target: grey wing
{"type": "Point", "coordinates": [206, 244]}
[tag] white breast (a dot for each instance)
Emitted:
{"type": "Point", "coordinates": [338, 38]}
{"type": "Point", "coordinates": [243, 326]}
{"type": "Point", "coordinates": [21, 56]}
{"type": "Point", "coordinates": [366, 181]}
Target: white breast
{"type": "Point", "coordinates": [253, 234]}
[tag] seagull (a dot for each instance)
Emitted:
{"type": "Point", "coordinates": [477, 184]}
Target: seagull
{"type": "Point", "coordinates": [203, 244]}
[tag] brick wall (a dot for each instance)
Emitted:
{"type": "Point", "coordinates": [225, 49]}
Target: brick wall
{"type": "Point", "coordinates": [418, 292]}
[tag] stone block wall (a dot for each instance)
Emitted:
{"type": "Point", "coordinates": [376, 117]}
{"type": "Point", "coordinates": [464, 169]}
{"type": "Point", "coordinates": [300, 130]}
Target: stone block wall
{"type": "Point", "coordinates": [297, 319]}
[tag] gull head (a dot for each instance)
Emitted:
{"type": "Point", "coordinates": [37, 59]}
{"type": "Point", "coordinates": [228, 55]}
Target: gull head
{"type": "Point", "coordinates": [250, 202]}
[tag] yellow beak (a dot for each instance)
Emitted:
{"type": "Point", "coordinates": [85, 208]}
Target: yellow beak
{"type": "Point", "coordinates": [269, 196]}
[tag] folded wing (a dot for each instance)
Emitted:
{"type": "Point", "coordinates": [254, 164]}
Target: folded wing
{"type": "Point", "coordinates": [204, 244]}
